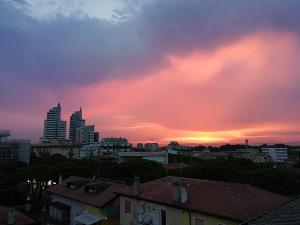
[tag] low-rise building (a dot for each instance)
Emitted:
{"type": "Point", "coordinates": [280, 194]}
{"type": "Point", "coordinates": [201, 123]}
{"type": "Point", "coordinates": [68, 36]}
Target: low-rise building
{"type": "Point", "coordinates": [67, 149]}
{"type": "Point", "coordinates": [83, 201]}
{"type": "Point", "coordinates": [253, 156]}
{"type": "Point", "coordinates": [151, 146]}
{"type": "Point", "coordinates": [286, 214]}
{"type": "Point", "coordinates": [9, 216]}
{"type": "Point", "coordinates": [111, 146]}
{"type": "Point", "coordinates": [276, 154]}
{"type": "Point", "coordinates": [160, 157]}
{"type": "Point", "coordinates": [294, 155]}
{"type": "Point", "coordinates": [13, 149]}
{"type": "Point", "coordinates": [106, 147]}
{"type": "Point", "coordinates": [175, 148]}
{"type": "Point", "coordinates": [185, 201]}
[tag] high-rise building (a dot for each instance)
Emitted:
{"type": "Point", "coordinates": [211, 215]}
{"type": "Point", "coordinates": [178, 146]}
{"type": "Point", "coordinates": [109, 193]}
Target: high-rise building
{"type": "Point", "coordinates": [76, 124]}
{"type": "Point", "coordinates": [96, 137]}
{"type": "Point", "coordinates": [88, 134]}
{"type": "Point", "coordinates": [54, 126]}
{"type": "Point", "coordinates": [79, 132]}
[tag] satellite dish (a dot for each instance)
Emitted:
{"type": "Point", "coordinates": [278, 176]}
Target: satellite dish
{"type": "Point", "coordinates": [140, 218]}
{"type": "Point", "coordinates": [184, 195]}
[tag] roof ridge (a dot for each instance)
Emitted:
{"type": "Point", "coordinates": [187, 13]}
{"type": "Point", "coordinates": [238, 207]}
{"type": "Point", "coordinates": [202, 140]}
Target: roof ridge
{"type": "Point", "coordinates": [215, 181]}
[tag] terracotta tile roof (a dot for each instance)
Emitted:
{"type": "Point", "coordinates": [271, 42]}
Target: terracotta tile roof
{"type": "Point", "coordinates": [234, 201]}
{"type": "Point", "coordinates": [21, 219]}
{"type": "Point", "coordinates": [174, 166]}
{"type": "Point", "coordinates": [80, 195]}
{"type": "Point", "coordinates": [286, 214]}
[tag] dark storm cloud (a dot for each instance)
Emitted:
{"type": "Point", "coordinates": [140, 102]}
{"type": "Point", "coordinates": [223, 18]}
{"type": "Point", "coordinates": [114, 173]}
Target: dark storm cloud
{"type": "Point", "coordinates": [75, 51]}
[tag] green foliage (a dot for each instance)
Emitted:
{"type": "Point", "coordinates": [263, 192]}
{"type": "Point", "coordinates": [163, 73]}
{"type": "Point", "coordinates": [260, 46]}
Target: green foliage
{"type": "Point", "coordinates": [264, 176]}
{"type": "Point", "coordinates": [43, 169]}
{"type": "Point", "coordinates": [145, 169]}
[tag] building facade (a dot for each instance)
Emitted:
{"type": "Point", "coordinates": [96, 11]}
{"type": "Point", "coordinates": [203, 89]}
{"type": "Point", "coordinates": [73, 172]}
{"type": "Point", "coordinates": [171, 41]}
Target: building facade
{"type": "Point", "coordinates": [89, 135]}
{"type": "Point", "coordinates": [277, 154]}
{"type": "Point", "coordinates": [80, 133]}
{"type": "Point", "coordinates": [113, 145]}
{"type": "Point", "coordinates": [74, 119]}
{"type": "Point", "coordinates": [186, 201]}
{"type": "Point", "coordinates": [54, 126]}
{"type": "Point", "coordinates": [151, 146]}
{"type": "Point", "coordinates": [80, 200]}
{"type": "Point", "coordinates": [13, 149]}
{"type": "Point", "coordinates": [68, 150]}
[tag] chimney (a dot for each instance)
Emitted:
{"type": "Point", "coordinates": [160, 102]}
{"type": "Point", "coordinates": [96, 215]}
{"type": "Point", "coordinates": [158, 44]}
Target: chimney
{"type": "Point", "coordinates": [179, 192]}
{"type": "Point", "coordinates": [136, 186]}
{"type": "Point", "coordinates": [176, 195]}
{"type": "Point", "coordinates": [11, 217]}
{"type": "Point", "coordinates": [60, 179]}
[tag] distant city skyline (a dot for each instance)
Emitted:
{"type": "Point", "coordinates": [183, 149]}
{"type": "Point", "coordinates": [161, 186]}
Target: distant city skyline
{"type": "Point", "coordinates": [206, 72]}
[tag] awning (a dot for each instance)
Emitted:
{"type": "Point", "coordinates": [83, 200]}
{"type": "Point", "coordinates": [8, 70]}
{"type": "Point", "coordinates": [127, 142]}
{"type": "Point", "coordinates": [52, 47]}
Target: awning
{"type": "Point", "coordinates": [89, 218]}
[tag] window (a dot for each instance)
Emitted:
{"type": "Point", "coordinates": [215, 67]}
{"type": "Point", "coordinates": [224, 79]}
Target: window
{"type": "Point", "coordinates": [199, 221]}
{"type": "Point", "coordinates": [127, 207]}
{"type": "Point", "coordinates": [55, 213]}
{"type": "Point", "coordinates": [163, 217]}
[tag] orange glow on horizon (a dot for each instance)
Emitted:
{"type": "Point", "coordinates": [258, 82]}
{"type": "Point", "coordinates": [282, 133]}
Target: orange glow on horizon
{"type": "Point", "coordinates": [215, 96]}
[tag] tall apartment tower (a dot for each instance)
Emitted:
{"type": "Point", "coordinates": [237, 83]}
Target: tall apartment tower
{"type": "Point", "coordinates": [89, 135]}
{"type": "Point", "coordinates": [77, 125]}
{"type": "Point", "coordinates": [54, 126]}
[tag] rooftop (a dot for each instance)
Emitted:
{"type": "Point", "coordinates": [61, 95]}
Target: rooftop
{"type": "Point", "coordinates": [103, 195]}
{"type": "Point", "coordinates": [233, 201]}
{"type": "Point", "coordinates": [21, 219]}
{"type": "Point", "coordinates": [174, 166]}
{"type": "Point", "coordinates": [286, 214]}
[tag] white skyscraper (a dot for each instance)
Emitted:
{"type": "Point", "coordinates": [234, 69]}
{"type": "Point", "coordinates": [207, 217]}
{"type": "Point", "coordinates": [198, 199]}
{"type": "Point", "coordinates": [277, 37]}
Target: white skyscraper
{"type": "Point", "coordinates": [79, 132]}
{"type": "Point", "coordinates": [77, 125]}
{"type": "Point", "coordinates": [54, 127]}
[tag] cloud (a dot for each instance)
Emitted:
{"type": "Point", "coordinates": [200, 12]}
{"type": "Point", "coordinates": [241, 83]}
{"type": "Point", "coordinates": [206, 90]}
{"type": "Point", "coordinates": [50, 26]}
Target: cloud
{"type": "Point", "coordinates": [213, 65]}
{"type": "Point", "coordinates": [75, 50]}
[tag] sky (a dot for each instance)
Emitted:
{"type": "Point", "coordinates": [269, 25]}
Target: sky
{"type": "Point", "coordinates": [193, 71]}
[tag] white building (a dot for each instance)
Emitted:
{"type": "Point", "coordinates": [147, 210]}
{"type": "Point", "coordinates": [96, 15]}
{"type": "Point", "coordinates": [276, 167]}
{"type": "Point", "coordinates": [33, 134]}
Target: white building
{"type": "Point", "coordinates": [13, 149]}
{"type": "Point", "coordinates": [276, 154]}
{"type": "Point", "coordinates": [107, 147]}
{"type": "Point", "coordinates": [174, 148]}
{"type": "Point", "coordinates": [151, 146]}
{"type": "Point", "coordinates": [54, 127]}
{"type": "Point", "coordinates": [66, 149]}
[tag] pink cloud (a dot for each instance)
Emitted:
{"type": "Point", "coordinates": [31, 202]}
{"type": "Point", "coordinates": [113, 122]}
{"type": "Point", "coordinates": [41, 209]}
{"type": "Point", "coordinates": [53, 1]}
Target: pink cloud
{"type": "Point", "coordinates": [246, 85]}
{"type": "Point", "coordinates": [245, 89]}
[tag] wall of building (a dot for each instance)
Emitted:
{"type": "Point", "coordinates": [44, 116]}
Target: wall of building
{"type": "Point", "coordinates": [15, 150]}
{"type": "Point", "coordinates": [175, 216]}
{"type": "Point", "coordinates": [276, 154]}
{"type": "Point", "coordinates": [210, 220]}
{"type": "Point", "coordinates": [110, 211]}
{"type": "Point", "coordinates": [64, 150]}
{"type": "Point", "coordinates": [76, 207]}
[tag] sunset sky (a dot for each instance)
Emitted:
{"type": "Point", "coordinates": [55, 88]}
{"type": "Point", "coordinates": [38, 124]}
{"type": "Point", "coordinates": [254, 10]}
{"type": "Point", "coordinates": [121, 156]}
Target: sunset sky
{"type": "Point", "coordinates": [195, 71]}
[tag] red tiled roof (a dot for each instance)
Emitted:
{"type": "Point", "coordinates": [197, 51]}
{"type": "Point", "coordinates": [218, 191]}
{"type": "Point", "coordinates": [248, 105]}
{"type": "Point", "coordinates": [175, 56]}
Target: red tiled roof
{"type": "Point", "coordinates": [233, 201]}
{"type": "Point", "coordinates": [79, 194]}
{"type": "Point", "coordinates": [174, 166]}
{"type": "Point", "coordinates": [21, 219]}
